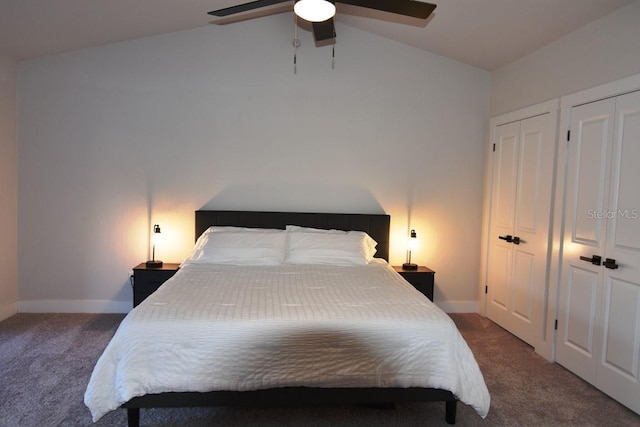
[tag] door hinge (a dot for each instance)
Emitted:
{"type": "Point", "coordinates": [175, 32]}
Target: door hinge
{"type": "Point", "coordinates": [486, 289]}
{"type": "Point", "coordinates": [494, 147]}
{"type": "Point", "coordinates": [555, 325]}
{"type": "Point", "coordinates": [569, 135]}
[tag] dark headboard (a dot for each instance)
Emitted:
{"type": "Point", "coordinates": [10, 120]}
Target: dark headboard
{"type": "Point", "coordinates": [375, 225]}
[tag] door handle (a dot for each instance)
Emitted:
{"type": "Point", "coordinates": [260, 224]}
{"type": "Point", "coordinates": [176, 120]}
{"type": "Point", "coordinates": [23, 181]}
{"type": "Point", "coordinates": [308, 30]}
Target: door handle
{"type": "Point", "coordinates": [511, 239]}
{"type": "Point", "coordinates": [610, 263]}
{"type": "Point", "coordinates": [595, 259]}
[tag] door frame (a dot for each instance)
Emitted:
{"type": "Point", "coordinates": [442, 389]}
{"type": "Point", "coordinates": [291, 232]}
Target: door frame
{"type": "Point", "coordinates": [543, 344]}
{"type": "Point", "coordinates": [567, 102]}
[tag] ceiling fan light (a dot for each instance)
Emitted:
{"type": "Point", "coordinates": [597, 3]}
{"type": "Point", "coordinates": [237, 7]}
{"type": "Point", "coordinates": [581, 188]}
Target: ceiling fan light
{"type": "Point", "coordinates": [314, 10]}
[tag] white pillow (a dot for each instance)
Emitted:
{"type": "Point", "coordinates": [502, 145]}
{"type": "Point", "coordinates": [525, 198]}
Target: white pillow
{"type": "Point", "coordinates": [335, 247]}
{"type": "Point", "coordinates": [368, 242]}
{"type": "Point", "coordinates": [204, 237]}
{"type": "Point", "coordinates": [240, 247]}
{"type": "Point", "coordinates": [222, 228]}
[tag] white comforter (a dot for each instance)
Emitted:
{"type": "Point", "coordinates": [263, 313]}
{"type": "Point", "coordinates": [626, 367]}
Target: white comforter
{"type": "Point", "coordinates": [214, 327]}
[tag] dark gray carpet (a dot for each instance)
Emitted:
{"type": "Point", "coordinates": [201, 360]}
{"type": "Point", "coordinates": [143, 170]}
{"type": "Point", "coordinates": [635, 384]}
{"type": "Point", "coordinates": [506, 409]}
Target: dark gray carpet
{"type": "Point", "coordinates": [46, 361]}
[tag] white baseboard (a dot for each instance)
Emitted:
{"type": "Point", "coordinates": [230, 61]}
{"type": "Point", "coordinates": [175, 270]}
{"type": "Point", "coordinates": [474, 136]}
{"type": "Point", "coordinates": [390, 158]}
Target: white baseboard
{"type": "Point", "coordinates": [74, 306]}
{"type": "Point", "coordinates": [8, 310]}
{"type": "Point", "coordinates": [458, 306]}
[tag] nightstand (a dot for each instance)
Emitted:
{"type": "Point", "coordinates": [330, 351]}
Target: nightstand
{"type": "Point", "coordinates": [147, 280]}
{"type": "Point", "coordinates": [421, 279]}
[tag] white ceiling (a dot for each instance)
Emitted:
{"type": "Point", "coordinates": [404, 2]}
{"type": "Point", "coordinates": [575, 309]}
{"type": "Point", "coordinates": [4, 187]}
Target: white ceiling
{"type": "Point", "coordinates": [484, 33]}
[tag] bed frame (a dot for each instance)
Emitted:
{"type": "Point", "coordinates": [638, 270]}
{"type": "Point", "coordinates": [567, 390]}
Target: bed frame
{"type": "Point", "coordinates": [377, 226]}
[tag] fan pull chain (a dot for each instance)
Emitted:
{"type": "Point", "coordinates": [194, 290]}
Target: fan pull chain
{"type": "Point", "coordinates": [296, 43]}
{"type": "Point", "coordinates": [333, 57]}
{"type": "Point", "coordinates": [333, 50]}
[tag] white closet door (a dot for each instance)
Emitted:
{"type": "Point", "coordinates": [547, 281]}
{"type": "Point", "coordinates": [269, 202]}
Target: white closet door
{"type": "Point", "coordinates": [599, 308]}
{"type": "Point", "coordinates": [523, 169]}
{"type": "Point", "coordinates": [584, 238]}
{"type": "Point", "coordinates": [618, 373]}
{"type": "Point", "coordinates": [503, 196]}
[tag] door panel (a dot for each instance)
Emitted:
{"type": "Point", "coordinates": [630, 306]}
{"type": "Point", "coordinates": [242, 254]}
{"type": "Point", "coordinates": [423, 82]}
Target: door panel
{"type": "Point", "coordinates": [587, 176]}
{"type": "Point", "coordinates": [621, 343]}
{"type": "Point", "coordinates": [523, 286]}
{"type": "Point", "coordinates": [577, 332]}
{"type": "Point", "coordinates": [581, 297]}
{"type": "Point", "coordinates": [590, 171]}
{"type": "Point", "coordinates": [620, 362]}
{"type": "Point", "coordinates": [505, 173]}
{"type": "Point", "coordinates": [624, 213]}
{"type": "Point", "coordinates": [534, 183]}
{"type": "Point", "coordinates": [599, 305]}
{"type": "Point", "coordinates": [500, 274]}
{"type": "Point", "coordinates": [529, 181]}
{"type": "Point", "coordinates": [617, 373]}
{"type": "Point", "coordinates": [520, 208]}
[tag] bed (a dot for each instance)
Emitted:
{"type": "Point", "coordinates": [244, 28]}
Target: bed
{"type": "Point", "coordinates": [313, 325]}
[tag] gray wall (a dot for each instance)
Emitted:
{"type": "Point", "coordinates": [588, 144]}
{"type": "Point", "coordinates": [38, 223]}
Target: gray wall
{"type": "Point", "coordinates": [8, 189]}
{"type": "Point", "coordinates": [116, 138]}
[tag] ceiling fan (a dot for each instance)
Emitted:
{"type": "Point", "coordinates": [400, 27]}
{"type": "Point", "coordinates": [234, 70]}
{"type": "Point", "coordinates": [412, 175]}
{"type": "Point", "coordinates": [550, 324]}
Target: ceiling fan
{"type": "Point", "coordinates": [320, 13]}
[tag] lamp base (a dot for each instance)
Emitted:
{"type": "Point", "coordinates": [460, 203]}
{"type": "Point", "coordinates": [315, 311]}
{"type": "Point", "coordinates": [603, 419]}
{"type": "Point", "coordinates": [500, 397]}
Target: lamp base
{"type": "Point", "coordinates": [154, 264]}
{"type": "Point", "coordinates": [409, 266]}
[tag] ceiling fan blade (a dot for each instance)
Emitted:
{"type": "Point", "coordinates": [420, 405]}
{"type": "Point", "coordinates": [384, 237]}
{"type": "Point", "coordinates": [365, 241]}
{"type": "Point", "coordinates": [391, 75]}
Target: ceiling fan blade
{"type": "Point", "coordinates": [245, 7]}
{"type": "Point", "coordinates": [414, 9]}
{"type": "Point", "coordinates": [323, 31]}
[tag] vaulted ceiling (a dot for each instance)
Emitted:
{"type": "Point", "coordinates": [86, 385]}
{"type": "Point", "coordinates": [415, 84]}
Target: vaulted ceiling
{"type": "Point", "coordinates": [484, 33]}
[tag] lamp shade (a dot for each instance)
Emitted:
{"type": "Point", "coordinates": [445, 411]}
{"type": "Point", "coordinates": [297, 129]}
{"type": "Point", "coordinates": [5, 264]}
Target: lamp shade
{"type": "Point", "coordinates": [314, 10]}
{"type": "Point", "coordinates": [412, 241]}
{"type": "Point", "coordinates": [412, 244]}
{"type": "Point", "coordinates": [153, 262]}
